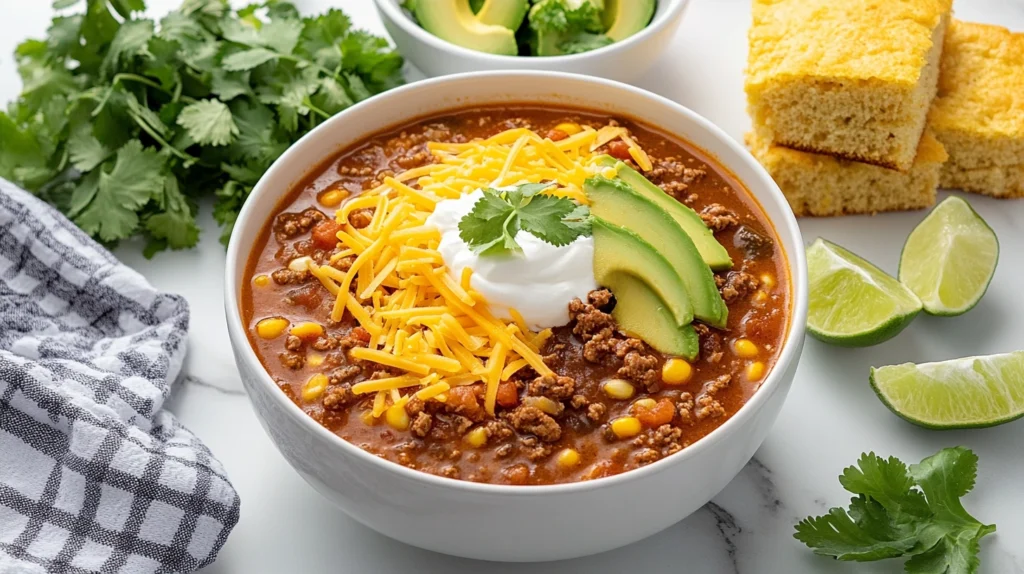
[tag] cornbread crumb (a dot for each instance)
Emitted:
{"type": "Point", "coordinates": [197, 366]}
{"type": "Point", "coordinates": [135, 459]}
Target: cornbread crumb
{"type": "Point", "coordinates": [823, 185]}
{"type": "Point", "coordinates": [852, 79]}
{"type": "Point", "coordinates": [978, 114]}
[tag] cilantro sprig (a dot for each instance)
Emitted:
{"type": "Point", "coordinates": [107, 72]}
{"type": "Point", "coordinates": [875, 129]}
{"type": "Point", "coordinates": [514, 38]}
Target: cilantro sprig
{"type": "Point", "coordinates": [126, 124]}
{"type": "Point", "coordinates": [497, 217]}
{"type": "Point", "coordinates": [913, 512]}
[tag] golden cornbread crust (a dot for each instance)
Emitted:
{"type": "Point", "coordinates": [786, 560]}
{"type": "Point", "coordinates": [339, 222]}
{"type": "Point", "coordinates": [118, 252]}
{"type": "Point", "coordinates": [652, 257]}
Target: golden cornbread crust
{"type": "Point", "coordinates": [823, 185]}
{"type": "Point", "coordinates": [979, 111]}
{"type": "Point", "coordinates": [850, 78]}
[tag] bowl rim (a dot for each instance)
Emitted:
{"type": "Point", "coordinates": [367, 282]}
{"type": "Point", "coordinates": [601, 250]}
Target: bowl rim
{"type": "Point", "coordinates": [296, 155]}
{"type": "Point", "coordinates": [396, 14]}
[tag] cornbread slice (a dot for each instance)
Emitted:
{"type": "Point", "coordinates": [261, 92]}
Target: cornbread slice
{"type": "Point", "coordinates": [978, 114]}
{"type": "Point", "coordinates": [850, 78]}
{"type": "Point", "coordinates": [818, 184]}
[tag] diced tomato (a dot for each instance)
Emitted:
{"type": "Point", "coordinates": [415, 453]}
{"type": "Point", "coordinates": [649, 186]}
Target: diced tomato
{"type": "Point", "coordinates": [662, 414]}
{"type": "Point", "coordinates": [325, 234]}
{"type": "Point", "coordinates": [555, 135]}
{"type": "Point", "coordinates": [508, 394]}
{"type": "Point", "coordinates": [619, 150]}
{"type": "Point", "coordinates": [361, 335]}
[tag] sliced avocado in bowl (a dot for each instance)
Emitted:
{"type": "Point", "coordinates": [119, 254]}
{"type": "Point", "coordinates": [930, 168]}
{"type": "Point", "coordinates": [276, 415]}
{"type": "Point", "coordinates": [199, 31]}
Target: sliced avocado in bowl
{"type": "Point", "coordinates": [640, 312]}
{"type": "Point", "coordinates": [619, 204]}
{"type": "Point", "coordinates": [506, 13]}
{"type": "Point", "coordinates": [713, 253]}
{"type": "Point", "coordinates": [623, 18]}
{"type": "Point", "coordinates": [621, 251]}
{"type": "Point", "coordinates": [454, 21]}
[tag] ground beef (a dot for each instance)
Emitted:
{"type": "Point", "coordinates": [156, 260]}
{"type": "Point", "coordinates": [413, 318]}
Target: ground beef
{"type": "Point", "coordinates": [293, 361]}
{"type": "Point", "coordinates": [344, 263]}
{"type": "Point", "coordinates": [666, 439]}
{"type": "Point", "coordinates": [451, 472]}
{"type": "Point", "coordinates": [293, 343]}
{"type": "Point", "coordinates": [421, 424]}
{"type": "Point", "coordinates": [461, 424]}
{"type": "Point", "coordinates": [642, 369]}
{"type": "Point", "coordinates": [358, 337]}
{"type": "Point", "coordinates": [712, 387]}
{"type": "Point", "coordinates": [285, 276]}
{"type": "Point", "coordinates": [504, 450]}
{"type": "Point", "coordinates": [708, 406]}
{"type": "Point", "coordinates": [595, 412]}
{"type": "Point", "coordinates": [736, 285]}
{"type": "Point", "coordinates": [711, 345]}
{"type": "Point", "coordinates": [309, 296]}
{"type": "Point", "coordinates": [646, 456]}
{"type": "Point", "coordinates": [590, 320]}
{"type": "Point", "coordinates": [718, 218]}
{"type": "Point", "coordinates": [600, 298]}
{"type": "Point", "coordinates": [342, 374]}
{"type": "Point", "coordinates": [360, 218]}
{"type": "Point", "coordinates": [414, 406]}
{"type": "Point", "coordinates": [325, 343]}
{"type": "Point", "coordinates": [685, 407]}
{"type": "Point", "coordinates": [338, 397]}
{"type": "Point", "coordinates": [553, 386]}
{"type": "Point", "coordinates": [498, 430]}
{"type": "Point", "coordinates": [539, 452]}
{"type": "Point", "coordinates": [579, 401]}
{"type": "Point", "coordinates": [291, 225]}
{"type": "Point", "coordinates": [531, 420]}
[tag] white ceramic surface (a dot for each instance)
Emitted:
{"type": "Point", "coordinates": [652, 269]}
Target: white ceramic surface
{"type": "Point", "coordinates": [624, 61]}
{"type": "Point", "coordinates": [500, 522]}
{"type": "Point", "coordinates": [830, 416]}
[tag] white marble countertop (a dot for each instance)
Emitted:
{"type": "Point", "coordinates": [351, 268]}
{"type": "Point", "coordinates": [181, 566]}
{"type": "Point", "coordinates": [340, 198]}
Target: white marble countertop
{"type": "Point", "coordinates": [831, 415]}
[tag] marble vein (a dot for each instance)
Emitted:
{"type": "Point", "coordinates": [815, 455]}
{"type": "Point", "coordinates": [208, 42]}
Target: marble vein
{"type": "Point", "coordinates": [729, 529]}
{"type": "Point", "coordinates": [196, 381]}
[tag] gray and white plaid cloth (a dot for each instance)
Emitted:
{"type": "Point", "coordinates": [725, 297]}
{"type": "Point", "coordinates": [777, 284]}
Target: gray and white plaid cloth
{"type": "Point", "coordinates": [94, 476]}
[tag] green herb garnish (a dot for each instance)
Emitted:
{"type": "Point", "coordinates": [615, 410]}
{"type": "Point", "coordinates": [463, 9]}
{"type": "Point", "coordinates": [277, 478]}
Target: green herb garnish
{"type": "Point", "coordinates": [491, 227]}
{"type": "Point", "coordinates": [913, 512]}
{"type": "Point", "coordinates": [579, 28]}
{"type": "Point", "coordinates": [124, 123]}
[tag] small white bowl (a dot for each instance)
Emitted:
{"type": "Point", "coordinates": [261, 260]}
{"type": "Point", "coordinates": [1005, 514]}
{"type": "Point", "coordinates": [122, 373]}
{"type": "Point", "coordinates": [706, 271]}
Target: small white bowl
{"type": "Point", "coordinates": [625, 61]}
{"type": "Point", "coordinates": [490, 521]}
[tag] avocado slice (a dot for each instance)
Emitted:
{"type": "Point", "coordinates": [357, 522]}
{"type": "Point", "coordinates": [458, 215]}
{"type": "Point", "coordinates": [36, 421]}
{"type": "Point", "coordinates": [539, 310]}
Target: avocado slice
{"type": "Point", "coordinates": [710, 249]}
{"type": "Point", "coordinates": [621, 205]}
{"type": "Point", "coordinates": [453, 21]}
{"type": "Point", "coordinates": [641, 313]}
{"type": "Point", "coordinates": [505, 13]}
{"type": "Point", "coordinates": [618, 250]}
{"type": "Point", "coordinates": [623, 18]}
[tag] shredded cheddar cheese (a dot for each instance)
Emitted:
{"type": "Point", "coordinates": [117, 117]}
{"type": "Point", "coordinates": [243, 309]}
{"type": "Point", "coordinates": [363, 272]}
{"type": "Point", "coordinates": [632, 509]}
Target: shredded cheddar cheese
{"type": "Point", "coordinates": [422, 321]}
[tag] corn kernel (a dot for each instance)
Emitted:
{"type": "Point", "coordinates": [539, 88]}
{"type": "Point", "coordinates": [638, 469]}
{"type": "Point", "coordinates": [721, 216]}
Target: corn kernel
{"type": "Point", "coordinates": [618, 389]}
{"type": "Point", "coordinates": [476, 437]}
{"type": "Point", "coordinates": [745, 348]}
{"type": "Point", "coordinates": [767, 280]}
{"type": "Point", "coordinates": [314, 387]}
{"type": "Point", "coordinates": [645, 404]}
{"type": "Point", "coordinates": [333, 198]}
{"type": "Point", "coordinates": [568, 458]}
{"type": "Point", "coordinates": [261, 280]}
{"type": "Point", "coordinates": [569, 128]}
{"type": "Point", "coordinates": [397, 417]}
{"type": "Point", "coordinates": [307, 330]}
{"type": "Point", "coordinates": [626, 427]}
{"type": "Point", "coordinates": [271, 328]}
{"type": "Point", "coordinates": [760, 298]}
{"type": "Point", "coordinates": [545, 404]}
{"type": "Point", "coordinates": [755, 371]}
{"type": "Point", "coordinates": [676, 372]}
{"type": "Point", "coordinates": [315, 359]}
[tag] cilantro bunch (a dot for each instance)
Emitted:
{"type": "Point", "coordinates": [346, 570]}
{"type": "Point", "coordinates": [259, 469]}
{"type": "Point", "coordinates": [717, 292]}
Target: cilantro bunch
{"type": "Point", "coordinates": [497, 217]}
{"type": "Point", "coordinates": [904, 511]}
{"type": "Point", "coordinates": [124, 123]}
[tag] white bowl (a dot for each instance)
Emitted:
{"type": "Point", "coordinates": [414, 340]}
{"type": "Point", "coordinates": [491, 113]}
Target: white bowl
{"type": "Point", "coordinates": [624, 61]}
{"type": "Point", "coordinates": [498, 522]}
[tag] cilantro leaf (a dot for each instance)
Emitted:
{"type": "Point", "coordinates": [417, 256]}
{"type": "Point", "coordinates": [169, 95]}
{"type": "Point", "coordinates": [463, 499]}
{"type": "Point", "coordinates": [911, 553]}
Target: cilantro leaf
{"type": "Point", "coordinates": [85, 151]}
{"type": "Point", "coordinates": [560, 16]}
{"type": "Point", "coordinates": [490, 228]}
{"type": "Point", "coordinates": [583, 42]}
{"type": "Point", "coordinates": [899, 511]}
{"type": "Point", "coordinates": [248, 59]}
{"type": "Point", "coordinates": [131, 40]}
{"type": "Point", "coordinates": [136, 178]}
{"type": "Point", "coordinates": [208, 122]}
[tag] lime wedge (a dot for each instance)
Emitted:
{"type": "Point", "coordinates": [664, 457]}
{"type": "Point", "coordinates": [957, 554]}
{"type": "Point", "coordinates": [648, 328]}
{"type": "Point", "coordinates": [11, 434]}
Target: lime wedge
{"type": "Point", "coordinates": [949, 258]}
{"type": "Point", "coordinates": [962, 393]}
{"type": "Point", "coordinates": [853, 303]}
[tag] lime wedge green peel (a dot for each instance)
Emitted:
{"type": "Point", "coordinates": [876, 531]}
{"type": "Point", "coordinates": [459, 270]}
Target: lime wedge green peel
{"type": "Point", "coordinates": [963, 393]}
{"type": "Point", "coordinates": [949, 258]}
{"type": "Point", "coordinates": [853, 303]}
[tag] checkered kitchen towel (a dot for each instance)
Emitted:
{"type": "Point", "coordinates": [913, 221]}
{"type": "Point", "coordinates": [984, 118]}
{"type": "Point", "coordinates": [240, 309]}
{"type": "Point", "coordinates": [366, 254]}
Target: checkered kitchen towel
{"type": "Point", "coordinates": [94, 477]}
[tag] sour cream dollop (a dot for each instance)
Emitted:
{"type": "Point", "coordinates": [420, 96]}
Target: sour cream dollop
{"type": "Point", "coordinates": [539, 282]}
